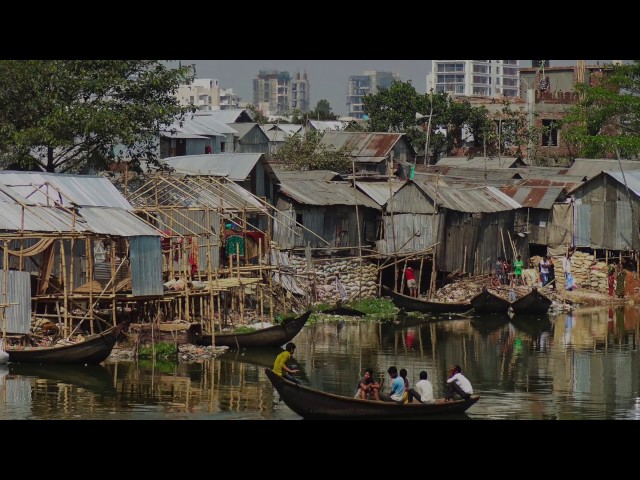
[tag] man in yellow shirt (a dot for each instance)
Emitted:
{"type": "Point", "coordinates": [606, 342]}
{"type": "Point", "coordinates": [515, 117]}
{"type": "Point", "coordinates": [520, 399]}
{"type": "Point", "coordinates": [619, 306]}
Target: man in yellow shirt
{"type": "Point", "coordinates": [280, 367]}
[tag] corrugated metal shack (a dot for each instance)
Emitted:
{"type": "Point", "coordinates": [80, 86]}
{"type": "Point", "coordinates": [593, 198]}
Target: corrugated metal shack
{"type": "Point", "coordinates": [606, 210]}
{"type": "Point", "coordinates": [466, 224]}
{"type": "Point", "coordinates": [249, 170]}
{"type": "Point", "coordinates": [250, 139]}
{"type": "Point", "coordinates": [373, 153]}
{"type": "Point", "coordinates": [534, 220]}
{"type": "Point", "coordinates": [324, 215]}
{"type": "Point", "coordinates": [80, 243]}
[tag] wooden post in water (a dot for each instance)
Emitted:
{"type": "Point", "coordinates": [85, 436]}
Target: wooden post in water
{"type": "Point", "coordinates": [434, 272]}
{"type": "Point", "coordinates": [464, 261]}
{"type": "Point", "coordinates": [420, 276]}
{"type": "Point", "coordinates": [404, 269]}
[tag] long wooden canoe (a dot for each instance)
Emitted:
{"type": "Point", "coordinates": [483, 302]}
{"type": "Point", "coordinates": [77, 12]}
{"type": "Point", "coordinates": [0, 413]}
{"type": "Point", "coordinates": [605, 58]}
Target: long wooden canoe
{"type": "Point", "coordinates": [488, 302]}
{"type": "Point", "coordinates": [314, 404]}
{"type": "Point", "coordinates": [412, 304]}
{"type": "Point", "coordinates": [94, 377]}
{"type": "Point", "coordinates": [275, 336]}
{"type": "Point", "coordinates": [93, 349]}
{"type": "Point", "coordinates": [533, 303]}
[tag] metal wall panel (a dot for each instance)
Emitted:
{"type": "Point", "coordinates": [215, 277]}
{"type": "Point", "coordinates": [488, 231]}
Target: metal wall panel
{"type": "Point", "coordinates": [582, 225]}
{"type": "Point", "coordinates": [624, 225]}
{"type": "Point", "coordinates": [146, 266]}
{"type": "Point", "coordinates": [18, 316]}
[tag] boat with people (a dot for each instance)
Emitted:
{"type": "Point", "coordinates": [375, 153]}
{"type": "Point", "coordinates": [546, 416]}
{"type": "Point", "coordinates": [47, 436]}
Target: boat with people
{"type": "Point", "coordinates": [315, 404]}
{"type": "Point", "coordinates": [412, 304]}
{"type": "Point", "coordinates": [274, 336]}
{"type": "Point", "coordinates": [91, 350]}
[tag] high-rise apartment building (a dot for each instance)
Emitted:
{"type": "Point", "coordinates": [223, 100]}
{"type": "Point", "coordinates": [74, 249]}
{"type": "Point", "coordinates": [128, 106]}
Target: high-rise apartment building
{"type": "Point", "coordinates": [206, 94]}
{"type": "Point", "coordinates": [279, 93]}
{"type": "Point", "coordinates": [487, 78]}
{"type": "Point", "coordinates": [203, 93]}
{"type": "Point", "coordinates": [366, 84]}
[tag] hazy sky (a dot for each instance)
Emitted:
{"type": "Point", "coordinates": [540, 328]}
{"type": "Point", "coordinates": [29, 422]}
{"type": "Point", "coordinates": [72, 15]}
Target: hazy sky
{"type": "Point", "coordinates": [328, 78]}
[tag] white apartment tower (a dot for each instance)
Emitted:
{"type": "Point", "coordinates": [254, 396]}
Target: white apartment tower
{"type": "Point", "coordinates": [203, 93]}
{"type": "Point", "coordinates": [488, 78]}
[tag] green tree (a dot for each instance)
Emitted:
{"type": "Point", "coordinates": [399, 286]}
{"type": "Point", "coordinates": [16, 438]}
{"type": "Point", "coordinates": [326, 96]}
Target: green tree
{"type": "Point", "coordinates": [323, 111]}
{"type": "Point", "coordinates": [394, 109]}
{"type": "Point", "coordinates": [257, 114]}
{"type": "Point", "coordinates": [606, 118]}
{"type": "Point", "coordinates": [60, 115]}
{"type": "Point", "coordinates": [307, 153]}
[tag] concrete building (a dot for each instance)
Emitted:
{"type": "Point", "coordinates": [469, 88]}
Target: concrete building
{"type": "Point", "coordinates": [279, 93]}
{"type": "Point", "coordinates": [203, 93]}
{"type": "Point", "coordinates": [366, 84]}
{"type": "Point", "coordinates": [474, 77]}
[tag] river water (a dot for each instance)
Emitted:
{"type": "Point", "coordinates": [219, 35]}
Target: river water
{"type": "Point", "coordinates": [584, 365]}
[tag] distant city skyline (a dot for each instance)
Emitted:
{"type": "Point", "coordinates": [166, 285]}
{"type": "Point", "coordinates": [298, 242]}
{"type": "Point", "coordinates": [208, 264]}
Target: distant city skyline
{"type": "Point", "coordinates": [328, 78]}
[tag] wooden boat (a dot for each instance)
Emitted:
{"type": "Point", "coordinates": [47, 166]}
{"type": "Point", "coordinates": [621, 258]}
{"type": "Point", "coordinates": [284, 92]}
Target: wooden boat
{"type": "Point", "coordinates": [487, 302]}
{"type": "Point", "coordinates": [314, 404]}
{"type": "Point", "coordinates": [533, 303]}
{"type": "Point", "coordinates": [425, 306]}
{"type": "Point", "coordinates": [275, 336]}
{"type": "Point", "coordinates": [94, 349]}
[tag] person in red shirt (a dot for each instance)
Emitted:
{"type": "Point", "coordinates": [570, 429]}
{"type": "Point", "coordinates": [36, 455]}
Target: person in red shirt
{"type": "Point", "coordinates": [411, 282]}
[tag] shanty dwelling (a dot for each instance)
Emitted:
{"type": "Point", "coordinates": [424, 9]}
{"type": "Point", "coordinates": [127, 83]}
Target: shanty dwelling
{"type": "Point", "coordinates": [228, 116]}
{"type": "Point", "coordinates": [463, 176]}
{"type": "Point", "coordinates": [200, 134]}
{"type": "Point", "coordinates": [250, 139]}
{"type": "Point", "coordinates": [534, 230]}
{"type": "Point", "coordinates": [317, 231]}
{"type": "Point", "coordinates": [75, 254]}
{"type": "Point", "coordinates": [324, 125]}
{"type": "Point", "coordinates": [331, 215]}
{"type": "Point", "coordinates": [373, 153]}
{"type": "Point", "coordinates": [249, 170]}
{"type": "Point", "coordinates": [606, 211]}
{"type": "Point", "coordinates": [482, 162]}
{"type": "Point", "coordinates": [587, 168]}
{"type": "Point", "coordinates": [279, 133]}
{"type": "Point", "coordinates": [202, 218]}
{"type": "Point", "coordinates": [467, 226]}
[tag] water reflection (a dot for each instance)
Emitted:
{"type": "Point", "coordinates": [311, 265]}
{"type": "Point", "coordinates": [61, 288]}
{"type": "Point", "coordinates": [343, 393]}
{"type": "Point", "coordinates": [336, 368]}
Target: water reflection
{"type": "Point", "coordinates": [582, 365]}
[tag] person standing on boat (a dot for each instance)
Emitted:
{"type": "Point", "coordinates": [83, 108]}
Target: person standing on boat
{"type": "Point", "coordinates": [499, 268]}
{"type": "Point", "coordinates": [411, 282]}
{"type": "Point", "coordinates": [544, 271]}
{"type": "Point", "coordinates": [423, 391]}
{"type": "Point", "coordinates": [457, 383]}
{"type": "Point", "coordinates": [368, 387]}
{"type": "Point", "coordinates": [397, 387]}
{"type": "Point", "coordinates": [279, 366]}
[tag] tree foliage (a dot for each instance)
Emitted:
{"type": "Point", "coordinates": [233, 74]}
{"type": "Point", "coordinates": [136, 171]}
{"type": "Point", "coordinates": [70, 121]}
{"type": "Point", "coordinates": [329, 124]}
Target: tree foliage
{"type": "Point", "coordinates": [322, 112]}
{"type": "Point", "coordinates": [257, 114]}
{"type": "Point", "coordinates": [606, 118]}
{"type": "Point", "coordinates": [61, 115]}
{"type": "Point", "coordinates": [307, 153]}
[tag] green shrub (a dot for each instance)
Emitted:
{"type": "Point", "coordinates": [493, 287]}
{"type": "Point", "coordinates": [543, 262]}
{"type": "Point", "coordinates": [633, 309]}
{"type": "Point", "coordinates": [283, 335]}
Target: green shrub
{"type": "Point", "coordinates": [164, 351]}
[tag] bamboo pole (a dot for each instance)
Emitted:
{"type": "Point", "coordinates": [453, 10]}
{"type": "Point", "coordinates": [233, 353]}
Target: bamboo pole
{"type": "Point", "coordinates": [241, 287]}
{"type": "Point", "coordinates": [88, 244]}
{"type": "Point", "coordinates": [434, 273]}
{"type": "Point", "coordinates": [464, 261]}
{"type": "Point", "coordinates": [420, 276]}
{"type": "Point", "coordinates": [186, 272]}
{"type": "Point", "coordinates": [404, 269]}
{"type": "Point", "coordinates": [5, 273]}
{"type": "Point", "coordinates": [504, 250]}
{"type": "Point", "coordinates": [113, 282]}
{"type": "Point", "coordinates": [209, 280]}
{"type": "Point", "coordinates": [65, 292]}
